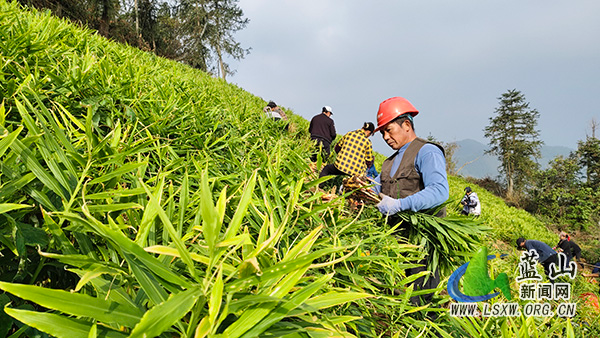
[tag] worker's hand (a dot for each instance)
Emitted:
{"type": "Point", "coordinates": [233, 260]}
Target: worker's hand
{"type": "Point", "coordinates": [388, 205]}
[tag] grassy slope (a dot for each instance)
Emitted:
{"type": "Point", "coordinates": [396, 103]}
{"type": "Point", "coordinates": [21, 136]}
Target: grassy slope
{"type": "Point", "coordinates": [508, 223]}
{"type": "Point", "coordinates": [156, 91]}
{"type": "Point", "coordinates": [88, 72]}
{"type": "Point", "coordinates": [80, 70]}
{"type": "Point", "coordinates": [124, 125]}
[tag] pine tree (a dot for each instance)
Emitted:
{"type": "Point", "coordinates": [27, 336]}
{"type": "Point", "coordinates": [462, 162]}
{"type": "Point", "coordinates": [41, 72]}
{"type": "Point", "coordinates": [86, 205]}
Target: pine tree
{"type": "Point", "coordinates": [514, 139]}
{"type": "Point", "coordinates": [589, 159]}
{"type": "Point", "coordinates": [556, 187]}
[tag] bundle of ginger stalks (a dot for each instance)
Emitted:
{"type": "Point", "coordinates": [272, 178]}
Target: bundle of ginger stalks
{"type": "Point", "coordinates": [359, 185]}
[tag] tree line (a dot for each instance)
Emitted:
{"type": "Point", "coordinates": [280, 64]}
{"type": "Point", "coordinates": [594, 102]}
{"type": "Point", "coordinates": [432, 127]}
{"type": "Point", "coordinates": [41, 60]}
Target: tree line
{"type": "Point", "coordinates": [199, 33]}
{"type": "Point", "coordinates": [568, 191]}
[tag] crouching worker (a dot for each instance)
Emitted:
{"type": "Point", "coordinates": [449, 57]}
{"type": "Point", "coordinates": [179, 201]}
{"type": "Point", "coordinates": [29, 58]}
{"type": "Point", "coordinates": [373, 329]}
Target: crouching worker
{"type": "Point", "coordinates": [355, 153]}
{"type": "Point", "coordinates": [546, 255]}
{"type": "Point", "coordinates": [274, 112]}
{"type": "Point", "coordinates": [568, 246]}
{"type": "Point", "coordinates": [470, 202]}
{"type": "Point", "coordinates": [413, 178]}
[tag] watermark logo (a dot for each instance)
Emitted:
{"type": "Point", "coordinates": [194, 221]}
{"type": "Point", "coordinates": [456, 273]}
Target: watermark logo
{"type": "Point", "coordinates": [479, 287]}
{"type": "Point", "coordinates": [477, 283]}
{"type": "Point", "coordinates": [530, 287]}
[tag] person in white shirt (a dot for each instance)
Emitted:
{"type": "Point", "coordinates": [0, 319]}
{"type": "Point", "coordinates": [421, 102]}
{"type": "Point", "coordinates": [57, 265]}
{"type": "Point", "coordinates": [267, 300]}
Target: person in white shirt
{"type": "Point", "coordinates": [470, 202]}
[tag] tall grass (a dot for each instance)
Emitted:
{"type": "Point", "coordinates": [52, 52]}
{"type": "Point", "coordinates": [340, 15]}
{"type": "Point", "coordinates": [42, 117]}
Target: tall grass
{"type": "Point", "coordinates": [140, 197]}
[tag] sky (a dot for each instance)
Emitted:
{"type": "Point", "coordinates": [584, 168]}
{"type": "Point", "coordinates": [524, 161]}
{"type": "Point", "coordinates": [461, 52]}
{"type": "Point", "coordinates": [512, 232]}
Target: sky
{"type": "Point", "coordinates": [451, 59]}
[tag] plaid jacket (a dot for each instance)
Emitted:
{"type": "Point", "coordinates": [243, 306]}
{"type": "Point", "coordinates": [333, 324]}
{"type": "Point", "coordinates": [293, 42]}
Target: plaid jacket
{"type": "Point", "coordinates": [355, 151]}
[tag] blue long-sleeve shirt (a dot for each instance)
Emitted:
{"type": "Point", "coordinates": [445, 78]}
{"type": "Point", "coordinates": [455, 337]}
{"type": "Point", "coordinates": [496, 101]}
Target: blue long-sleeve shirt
{"type": "Point", "coordinates": [431, 164]}
{"type": "Point", "coordinates": [543, 250]}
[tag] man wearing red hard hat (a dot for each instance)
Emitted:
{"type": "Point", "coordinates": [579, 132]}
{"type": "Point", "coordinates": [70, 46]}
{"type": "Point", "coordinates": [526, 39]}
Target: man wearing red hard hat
{"type": "Point", "coordinates": [414, 177]}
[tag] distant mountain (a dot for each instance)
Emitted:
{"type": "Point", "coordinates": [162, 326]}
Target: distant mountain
{"type": "Point", "coordinates": [471, 160]}
{"type": "Point", "coordinates": [550, 152]}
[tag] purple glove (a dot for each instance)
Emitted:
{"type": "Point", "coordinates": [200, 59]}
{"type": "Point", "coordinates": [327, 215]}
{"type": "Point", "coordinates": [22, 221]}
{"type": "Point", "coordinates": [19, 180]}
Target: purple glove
{"type": "Point", "coordinates": [388, 206]}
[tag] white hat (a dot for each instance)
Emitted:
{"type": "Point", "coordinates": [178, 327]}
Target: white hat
{"type": "Point", "coordinates": [327, 109]}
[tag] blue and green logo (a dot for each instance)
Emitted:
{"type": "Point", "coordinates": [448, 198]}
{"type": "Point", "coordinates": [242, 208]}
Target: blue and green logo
{"type": "Point", "coordinates": [477, 283]}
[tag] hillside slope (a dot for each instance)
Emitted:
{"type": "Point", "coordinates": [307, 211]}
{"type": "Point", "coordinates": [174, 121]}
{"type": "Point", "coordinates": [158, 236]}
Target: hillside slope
{"type": "Point", "coordinates": [165, 204]}
{"type": "Point", "coordinates": [507, 223]}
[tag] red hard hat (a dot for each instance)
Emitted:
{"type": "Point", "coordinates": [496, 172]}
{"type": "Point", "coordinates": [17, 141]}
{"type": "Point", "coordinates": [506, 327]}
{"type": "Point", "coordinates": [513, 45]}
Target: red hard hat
{"type": "Point", "coordinates": [392, 108]}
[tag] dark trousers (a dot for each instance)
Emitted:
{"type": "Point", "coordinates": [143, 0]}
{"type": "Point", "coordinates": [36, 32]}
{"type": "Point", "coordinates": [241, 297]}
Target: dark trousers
{"type": "Point", "coordinates": [432, 282]}
{"type": "Point", "coordinates": [546, 265]}
{"type": "Point", "coordinates": [325, 149]}
{"type": "Point", "coordinates": [331, 170]}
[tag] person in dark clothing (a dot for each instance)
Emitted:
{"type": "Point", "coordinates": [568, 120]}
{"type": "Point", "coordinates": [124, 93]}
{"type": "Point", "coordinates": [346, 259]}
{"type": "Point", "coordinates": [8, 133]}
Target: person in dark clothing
{"type": "Point", "coordinates": [596, 272]}
{"type": "Point", "coordinates": [322, 131]}
{"type": "Point", "coordinates": [547, 256]}
{"type": "Point", "coordinates": [568, 247]}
